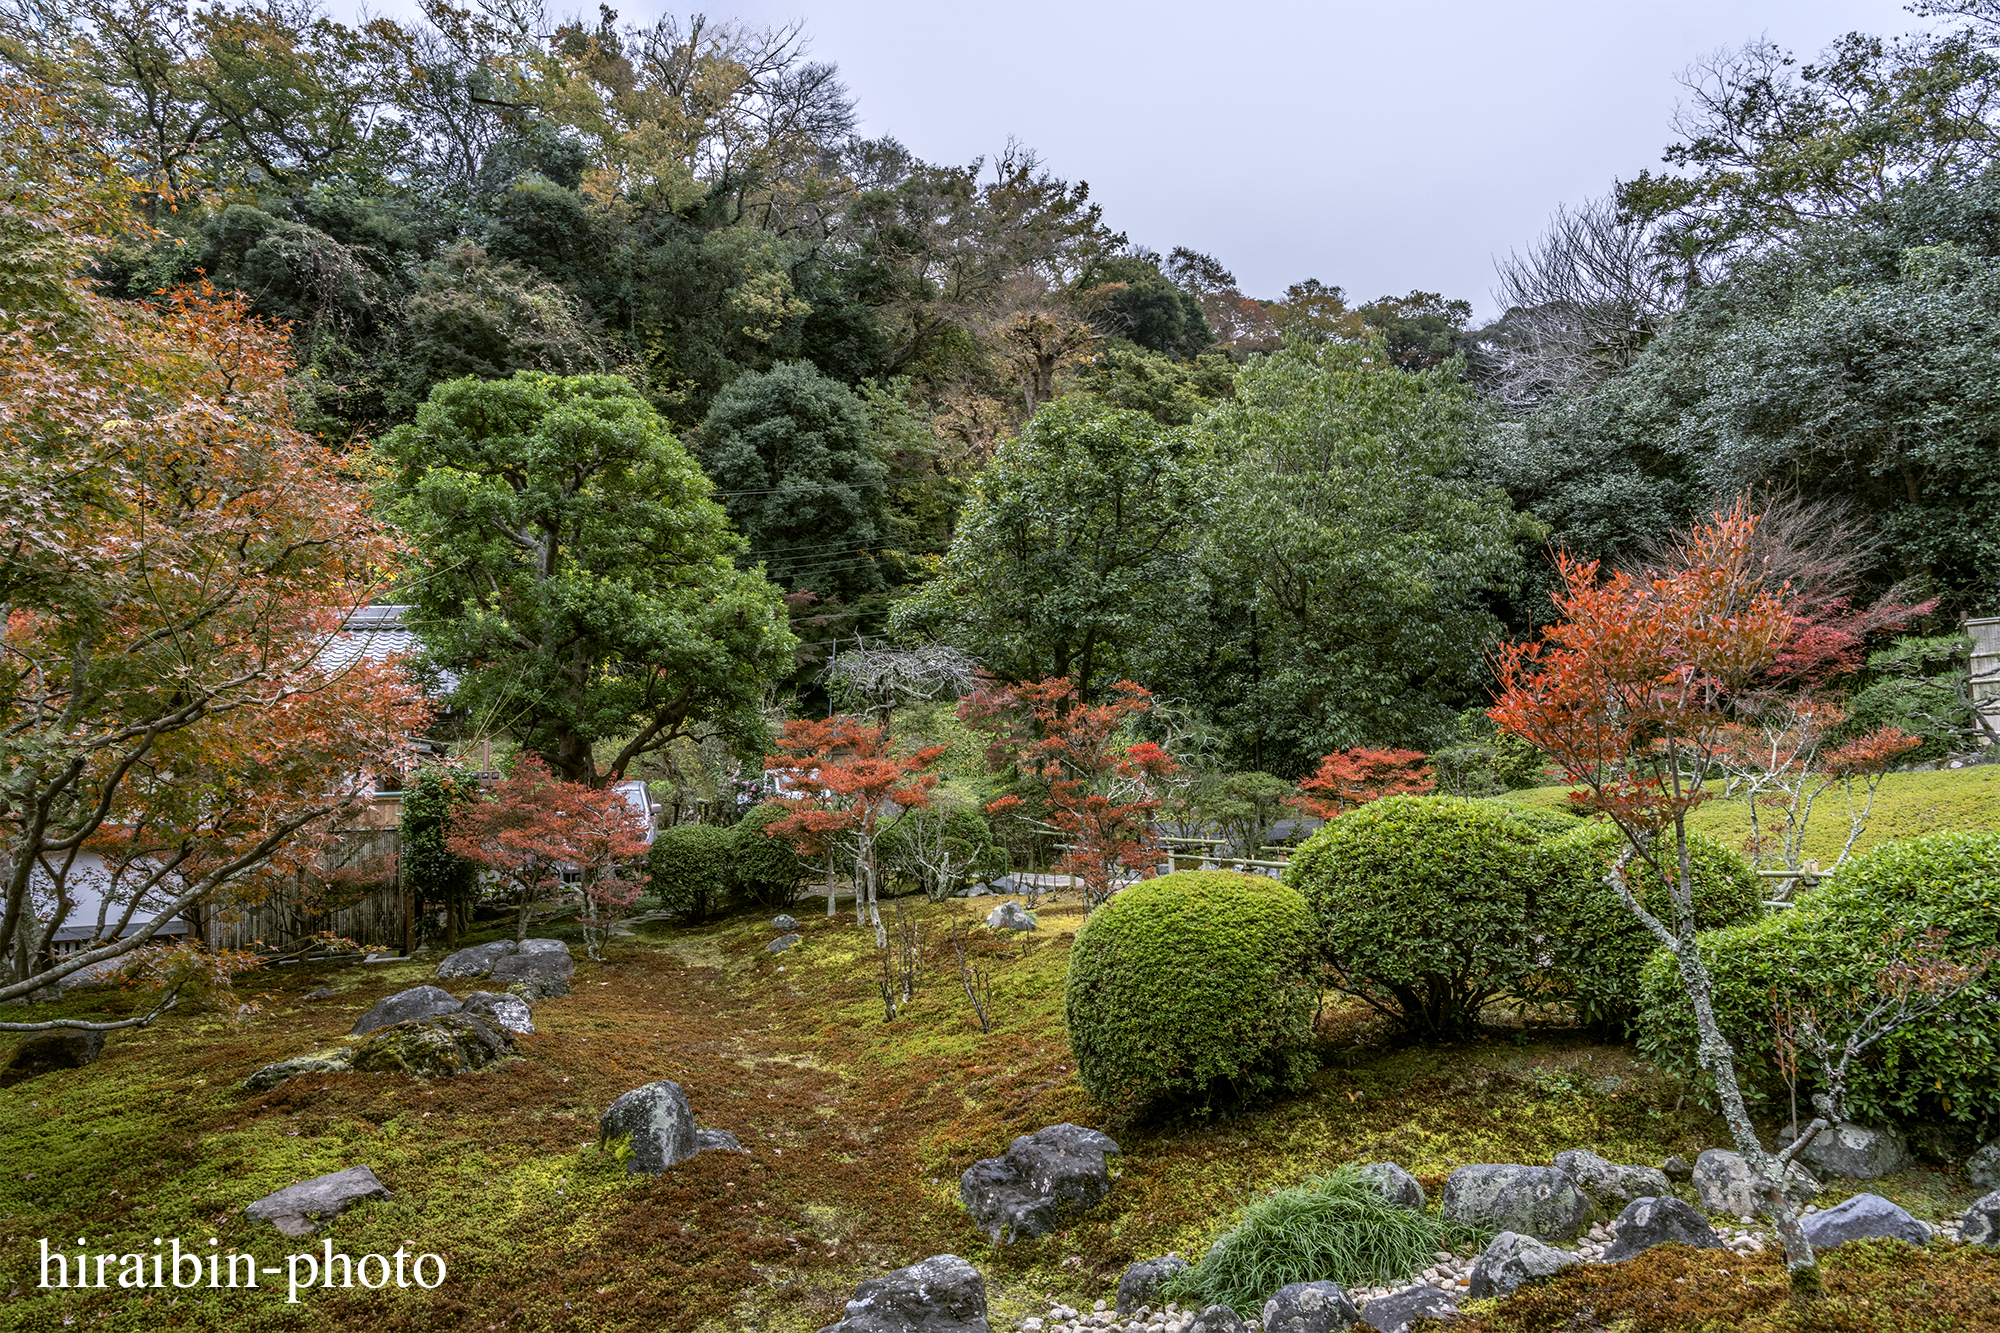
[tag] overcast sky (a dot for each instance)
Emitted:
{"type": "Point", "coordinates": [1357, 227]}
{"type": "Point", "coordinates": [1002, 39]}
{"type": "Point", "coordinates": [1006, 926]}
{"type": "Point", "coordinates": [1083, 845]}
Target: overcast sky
{"type": "Point", "coordinates": [1377, 146]}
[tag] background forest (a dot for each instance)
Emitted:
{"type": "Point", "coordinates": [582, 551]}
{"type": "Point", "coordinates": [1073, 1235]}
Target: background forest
{"type": "Point", "coordinates": [951, 403]}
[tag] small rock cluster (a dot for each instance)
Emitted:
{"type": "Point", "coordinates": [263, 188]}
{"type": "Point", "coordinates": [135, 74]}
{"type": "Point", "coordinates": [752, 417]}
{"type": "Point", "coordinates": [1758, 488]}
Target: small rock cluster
{"type": "Point", "coordinates": [658, 1122]}
{"type": "Point", "coordinates": [426, 1032]}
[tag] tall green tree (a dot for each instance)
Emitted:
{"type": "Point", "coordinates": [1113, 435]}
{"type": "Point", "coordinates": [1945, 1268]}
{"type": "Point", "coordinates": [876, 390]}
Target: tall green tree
{"type": "Point", "coordinates": [1074, 556]}
{"type": "Point", "coordinates": [581, 582]}
{"type": "Point", "coordinates": [803, 477]}
{"type": "Point", "coordinates": [1360, 552]}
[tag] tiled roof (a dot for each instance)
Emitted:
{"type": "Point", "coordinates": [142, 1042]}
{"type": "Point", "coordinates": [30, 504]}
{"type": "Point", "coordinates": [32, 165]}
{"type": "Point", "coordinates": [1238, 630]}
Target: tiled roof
{"type": "Point", "coordinates": [373, 633]}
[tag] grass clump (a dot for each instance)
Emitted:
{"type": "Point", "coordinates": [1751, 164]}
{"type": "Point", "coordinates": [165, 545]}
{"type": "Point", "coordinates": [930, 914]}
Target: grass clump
{"type": "Point", "coordinates": [1334, 1227]}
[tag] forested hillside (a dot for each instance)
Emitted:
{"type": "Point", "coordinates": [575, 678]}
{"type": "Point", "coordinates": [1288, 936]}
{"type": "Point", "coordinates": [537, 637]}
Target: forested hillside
{"type": "Point", "coordinates": [952, 402]}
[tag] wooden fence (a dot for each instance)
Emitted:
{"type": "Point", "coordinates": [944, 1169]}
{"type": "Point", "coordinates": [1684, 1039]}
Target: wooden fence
{"type": "Point", "coordinates": [383, 917]}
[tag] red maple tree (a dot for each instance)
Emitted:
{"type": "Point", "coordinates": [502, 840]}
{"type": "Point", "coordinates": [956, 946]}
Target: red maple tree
{"type": "Point", "coordinates": [1100, 794]}
{"type": "Point", "coordinates": [846, 779]}
{"type": "Point", "coordinates": [1350, 778]}
{"type": "Point", "coordinates": [1637, 692]}
{"type": "Point", "coordinates": [532, 829]}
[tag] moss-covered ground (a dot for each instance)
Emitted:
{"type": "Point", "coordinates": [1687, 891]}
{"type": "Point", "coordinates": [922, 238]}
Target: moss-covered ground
{"type": "Point", "coordinates": [858, 1129]}
{"type": "Point", "coordinates": [1907, 805]}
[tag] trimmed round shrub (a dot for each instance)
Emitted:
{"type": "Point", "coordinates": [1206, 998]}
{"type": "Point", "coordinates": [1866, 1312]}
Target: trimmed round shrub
{"type": "Point", "coordinates": [1595, 948]}
{"type": "Point", "coordinates": [1828, 951]}
{"type": "Point", "coordinates": [1192, 991]}
{"type": "Point", "coordinates": [766, 870]}
{"type": "Point", "coordinates": [688, 865]}
{"type": "Point", "coordinates": [1424, 906]}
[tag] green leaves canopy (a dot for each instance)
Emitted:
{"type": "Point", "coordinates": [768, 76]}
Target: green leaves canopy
{"type": "Point", "coordinates": [581, 584]}
{"type": "Point", "coordinates": [1360, 551]}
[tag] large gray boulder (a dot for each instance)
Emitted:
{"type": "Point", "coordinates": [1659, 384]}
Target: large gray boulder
{"type": "Point", "coordinates": [1395, 1312]}
{"type": "Point", "coordinates": [1608, 1185]}
{"type": "Point", "coordinates": [1395, 1184]}
{"type": "Point", "coordinates": [1724, 1183]}
{"type": "Point", "coordinates": [1863, 1217]}
{"type": "Point", "coordinates": [536, 975]}
{"type": "Point", "coordinates": [1982, 1222]}
{"type": "Point", "coordinates": [784, 925]}
{"type": "Point", "coordinates": [301, 1209]}
{"type": "Point", "coordinates": [658, 1121]}
{"type": "Point", "coordinates": [1309, 1307]}
{"type": "Point", "coordinates": [502, 1011]}
{"type": "Point", "coordinates": [440, 1046]}
{"type": "Point", "coordinates": [1537, 1201]}
{"type": "Point", "coordinates": [943, 1294]}
{"type": "Point", "coordinates": [46, 1052]}
{"type": "Point", "coordinates": [1010, 916]}
{"type": "Point", "coordinates": [1983, 1167]}
{"type": "Point", "coordinates": [404, 1005]}
{"type": "Point", "coordinates": [476, 961]}
{"type": "Point", "coordinates": [1512, 1259]}
{"type": "Point", "coordinates": [1142, 1281]}
{"type": "Point", "coordinates": [336, 1061]}
{"type": "Point", "coordinates": [1044, 1178]}
{"type": "Point", "coordinates": [1853, 1151]}
{"type": "Point", "coordinates": [1662, 1221]}
{"type": "Point", "coordinates": [1218, 1319]}
{"type": "Point", "coordinates": [543, 946]}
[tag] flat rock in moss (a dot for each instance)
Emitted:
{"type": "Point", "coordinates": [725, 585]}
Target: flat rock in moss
{"type": "Point", "coordinates": [1983, 1167]}
{"type": "Point", "coordinates": [547, 974]}
{"type": "Point", "coordinates": [502, 1011]}
{"type": "Point", "coordinates": [1982, 1222]}
{"type": "Point", "coordinates": [301, 1209]}
{"type": "Point", "coordinates": [1537, 1201]}
{"type": "Point", "coordinates": [1724, 1183]}
{"type": "Point", "coordinates": [336, 1061]}
{"type": "Point", "coordinates": [1512, 1259]}
{"type": "Point", "coordinates": [1395, 1184]}
{"type": "Point", "coordinates": [1309, 1307]}
{"type": "Point", "coordinates": [404, 1005]}
{"type": "Point", "coordinates": [1398, 1310]}
{"type": "Point", "coordinates": [783, 942]}
{"type": "Point", "coordinates": [476, 961]}
{"type": "Point", "coordinates": [1854, 1152]}
{"type": "Point", "coordinates": [943, 1294]}
{"type": "Point", "coordinates": [717, 1140]}
{"type": "Point", "coordinates": [658, 1122]}
{"type": "Point", "coordinates": [1863, 1217]}
{"type": "Point", "coordinates": [1044, 1179]}
{"type": "Point", "coordinates": [1664, 1221]}
{"type": "Point", "coordinates": [47, 1052]}
{"type": "Point", "coordinates": [435, 1047]}
{"type": "Point", "coordinates": [1607, 1184]}
{"type": "Point", "coordinates": [1142, 1281]}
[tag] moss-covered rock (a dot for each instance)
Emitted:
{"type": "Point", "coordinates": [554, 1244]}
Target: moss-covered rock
{"type": "Point", "coordinates": [335, 1061]}
{"type": "Point", "coordinates": [434, 1047]}
{"type": "Point", "coordinates": [1196, 989]}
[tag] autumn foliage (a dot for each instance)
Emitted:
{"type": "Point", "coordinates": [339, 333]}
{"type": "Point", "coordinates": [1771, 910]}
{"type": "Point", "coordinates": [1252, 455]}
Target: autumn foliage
{"type": "Point", "coordinates": [532, 827]}
{"type": "Point", "coordinates": [1351, 778]}
{"type": "Point", "coordinates": [847, 781]}
{"type": "Point", "coordinates": [177, 558]}
{"type": "Point", "coordinates": [1100, 794]}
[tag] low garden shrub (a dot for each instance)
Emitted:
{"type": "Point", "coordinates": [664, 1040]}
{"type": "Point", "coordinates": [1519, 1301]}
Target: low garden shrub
{"type": "Point", "coordinates": [1423, 905]}
{"type": "Point", "coordinates": [1594, 949]}
{"type": "Point", "coordinates": [1193, 990]}
{"type": "Point", "coordinates": [688, 865]}
{"type": "Point", "coordinates": [939, 847]}
{"type": "Point", "coordinates": [1331, 1227]}
{"type": "Point", "coordinates": [1829, 950]}
{"type": "Point", "coordinates": [765, 870]}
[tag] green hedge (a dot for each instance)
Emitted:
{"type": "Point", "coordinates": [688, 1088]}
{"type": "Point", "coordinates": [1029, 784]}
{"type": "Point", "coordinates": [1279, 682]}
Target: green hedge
{"type": "Point", "coordinates": [1193, 990]}
{"type": "Point", "coordinates": [766, 870]}
{"type": "Point", "coordinates": [1424, 906]}
{"type": "Point", "coordinates": [688, 865]}
{"type": "Point", "coordinates": [1593, 948]}
{"type": "Point", "coordinates": [1831, 945]}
